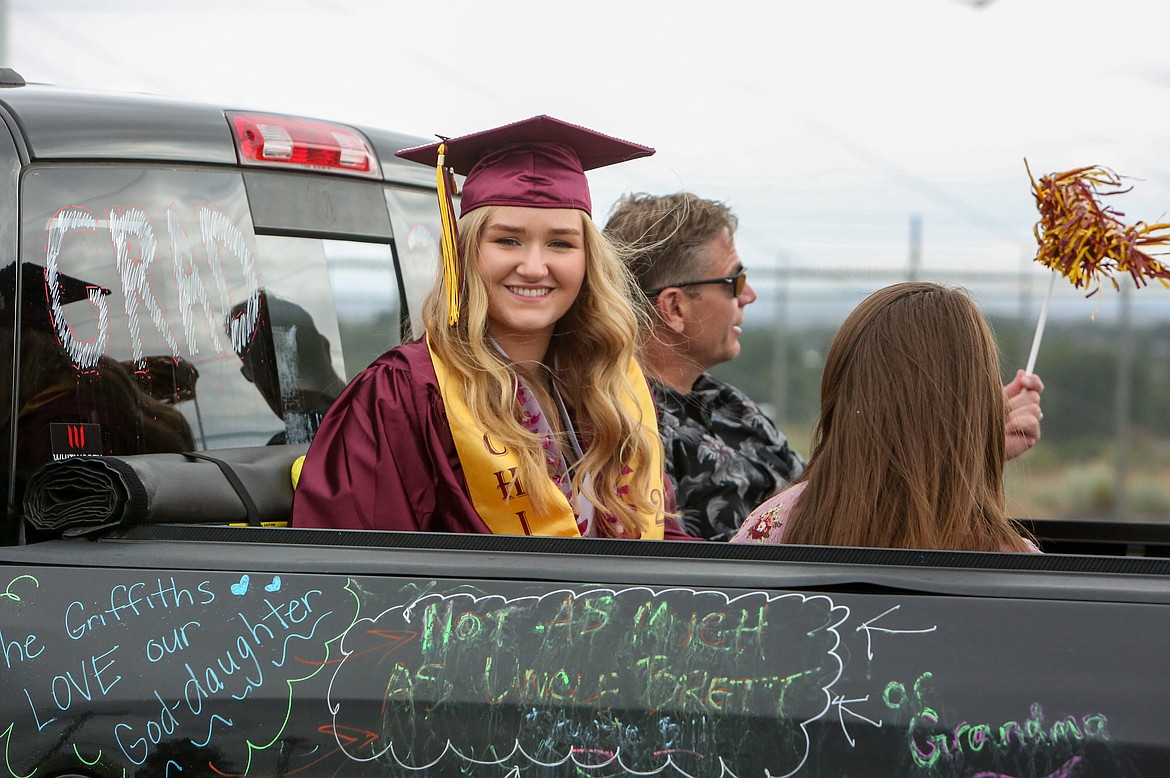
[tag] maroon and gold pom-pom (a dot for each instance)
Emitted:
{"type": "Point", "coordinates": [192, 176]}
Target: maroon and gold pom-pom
{"type": "Point", "coordinates": [1084, 240]}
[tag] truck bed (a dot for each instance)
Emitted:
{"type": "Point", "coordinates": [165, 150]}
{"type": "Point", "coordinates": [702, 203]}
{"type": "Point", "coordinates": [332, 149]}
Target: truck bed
{"type": "Point", "coordinates": [283, 651]}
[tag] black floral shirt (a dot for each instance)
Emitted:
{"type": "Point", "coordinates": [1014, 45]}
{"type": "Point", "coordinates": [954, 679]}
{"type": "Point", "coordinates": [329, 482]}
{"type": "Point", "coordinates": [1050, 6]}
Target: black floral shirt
{"type": "Point", "coordinates": [723, 455]}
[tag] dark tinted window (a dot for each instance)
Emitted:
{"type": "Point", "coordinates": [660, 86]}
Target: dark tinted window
{"type": "Point", "coordinates": [154, 318]}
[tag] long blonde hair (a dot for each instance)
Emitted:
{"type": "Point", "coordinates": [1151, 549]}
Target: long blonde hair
{"type": "Point", "coordinates": [909, 449]}
{"type": "Point", "coordinates": [591, 348]}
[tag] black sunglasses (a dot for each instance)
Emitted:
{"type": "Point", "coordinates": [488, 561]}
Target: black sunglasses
{"type": "Point", "coordinates": [737, 283]}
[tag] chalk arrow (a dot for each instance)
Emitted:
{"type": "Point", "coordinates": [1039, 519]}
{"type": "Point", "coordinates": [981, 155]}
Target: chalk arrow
{"type": "Point", "coordinates": [870, 629]}
{"type": "Point", "coordinates": [392, 640]}
{"type": "Point", "coordinates": [840, 701]}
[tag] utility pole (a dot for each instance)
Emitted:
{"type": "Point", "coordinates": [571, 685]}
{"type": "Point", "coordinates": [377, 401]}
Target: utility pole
{"type": "Point", "coordinates": [4, 35]}
{"type": "Point", "coordinates": [780, 342]}
{"type": "Point", "coordinates": [1122, 398]}
{"type": "Point", "coordinates": [915, 246]}
{"type": "Point", "coordinates": [1024, 314]}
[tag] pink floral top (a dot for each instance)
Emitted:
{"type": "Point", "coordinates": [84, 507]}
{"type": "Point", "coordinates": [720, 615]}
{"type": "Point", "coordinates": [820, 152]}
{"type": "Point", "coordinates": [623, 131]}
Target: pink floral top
{"type": "Point", "coordinates": [766, 523]}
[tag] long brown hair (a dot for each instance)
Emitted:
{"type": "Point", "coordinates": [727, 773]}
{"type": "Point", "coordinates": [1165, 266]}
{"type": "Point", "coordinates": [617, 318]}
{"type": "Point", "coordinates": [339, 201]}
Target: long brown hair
{"type": "Point", "coordinates": [591, 349]}
{"type": "Point", "coordinates": [909, 448]}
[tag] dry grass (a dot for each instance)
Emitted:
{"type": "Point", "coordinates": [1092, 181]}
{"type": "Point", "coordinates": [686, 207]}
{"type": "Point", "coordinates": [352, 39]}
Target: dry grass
{"type": "Point", "coordinates": [1088, 490]}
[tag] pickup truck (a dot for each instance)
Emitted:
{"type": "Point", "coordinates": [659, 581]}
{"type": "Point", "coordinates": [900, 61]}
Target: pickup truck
{"type": "Point", "coordinates": [202, 278]}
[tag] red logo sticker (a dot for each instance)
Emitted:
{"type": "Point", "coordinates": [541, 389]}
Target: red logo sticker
{"type": "Point", "coordinates": [75, 440]}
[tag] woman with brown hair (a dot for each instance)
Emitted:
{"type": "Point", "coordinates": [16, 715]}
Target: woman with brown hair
{"type": "Point", "coordinates": [909, 448]}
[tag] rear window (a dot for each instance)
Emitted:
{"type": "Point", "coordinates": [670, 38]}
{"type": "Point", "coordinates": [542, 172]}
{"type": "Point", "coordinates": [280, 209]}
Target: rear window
{"type": "Point", "coordinates": [156, 316]}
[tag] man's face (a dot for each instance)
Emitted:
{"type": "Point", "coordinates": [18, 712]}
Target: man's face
{"type": "Point", "coordinates": [715, 314]}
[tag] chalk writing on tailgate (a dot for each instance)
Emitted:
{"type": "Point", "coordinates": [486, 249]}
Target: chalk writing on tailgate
{"type": "Point", "coordinates": [263, 670]}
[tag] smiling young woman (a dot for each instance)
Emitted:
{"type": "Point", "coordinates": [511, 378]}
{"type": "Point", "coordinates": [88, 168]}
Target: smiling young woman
{"type": "Point", "coordinates": [531, 262]}
{"type": "Point", "coordinates": [522, 411]}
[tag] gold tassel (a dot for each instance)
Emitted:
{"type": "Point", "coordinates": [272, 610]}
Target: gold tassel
{"type": "Point", "coordinates": [452, 267]}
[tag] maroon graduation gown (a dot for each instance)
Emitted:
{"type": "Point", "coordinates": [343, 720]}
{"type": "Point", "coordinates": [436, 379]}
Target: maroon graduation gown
{"type": "Point", "coordinates": [384, 458]}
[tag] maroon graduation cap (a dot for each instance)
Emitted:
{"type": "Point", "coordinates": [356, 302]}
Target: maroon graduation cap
{"type": "Point", "coordinates": [534, 163]}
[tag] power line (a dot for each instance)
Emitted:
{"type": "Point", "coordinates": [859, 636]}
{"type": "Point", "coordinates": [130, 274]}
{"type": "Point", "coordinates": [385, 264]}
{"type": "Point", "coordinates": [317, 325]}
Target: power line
{"type": "Point", "coordinates": [986, 222]}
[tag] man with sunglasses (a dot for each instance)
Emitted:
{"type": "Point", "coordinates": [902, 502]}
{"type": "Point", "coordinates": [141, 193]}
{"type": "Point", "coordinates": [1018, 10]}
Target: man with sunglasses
{"type": "Point", "coordinates": [723, 455]}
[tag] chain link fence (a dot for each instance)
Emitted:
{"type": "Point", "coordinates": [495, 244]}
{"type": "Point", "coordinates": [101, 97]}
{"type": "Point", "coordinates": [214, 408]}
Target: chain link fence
{"type": "Point", "coordinates": [1105, 360]}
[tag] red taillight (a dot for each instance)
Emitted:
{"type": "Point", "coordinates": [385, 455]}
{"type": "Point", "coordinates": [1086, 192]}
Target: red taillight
{"type": "Point", "coordinates": [282, 141]}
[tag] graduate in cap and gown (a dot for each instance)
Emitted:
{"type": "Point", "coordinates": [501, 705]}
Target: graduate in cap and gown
{"type": "Point", "coordinates": [522, 410]}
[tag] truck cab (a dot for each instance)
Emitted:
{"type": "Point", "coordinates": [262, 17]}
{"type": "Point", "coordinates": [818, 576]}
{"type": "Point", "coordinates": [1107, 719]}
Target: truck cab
{"type": "Point", "coordinates": [196, 278]}
{"type": "Point", "coordinates": [186, 279]}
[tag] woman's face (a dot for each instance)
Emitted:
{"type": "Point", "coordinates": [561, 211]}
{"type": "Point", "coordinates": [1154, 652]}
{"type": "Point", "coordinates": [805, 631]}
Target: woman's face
{"type": "Point", "coordinates": [532, 261]}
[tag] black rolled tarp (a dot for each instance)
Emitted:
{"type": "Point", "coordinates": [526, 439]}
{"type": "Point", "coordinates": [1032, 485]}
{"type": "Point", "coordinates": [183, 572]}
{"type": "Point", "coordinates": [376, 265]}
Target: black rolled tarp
{"type": "Point", "coordinates": [234, 485]}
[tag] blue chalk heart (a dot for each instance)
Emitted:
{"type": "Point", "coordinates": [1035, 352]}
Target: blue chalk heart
{"type": "Point", "coordinates": [241, 588]}
{"type": "Point", "coordinates": [274, 586]}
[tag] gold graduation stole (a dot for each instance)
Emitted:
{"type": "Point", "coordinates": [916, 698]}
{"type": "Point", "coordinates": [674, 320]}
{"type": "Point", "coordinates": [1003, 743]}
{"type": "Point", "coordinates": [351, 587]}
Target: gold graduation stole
{"type": "Point", "coordinates": [491, 470]}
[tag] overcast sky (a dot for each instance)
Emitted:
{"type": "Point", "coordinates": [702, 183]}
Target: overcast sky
{"type": "Point", "coordinates": [824, 123]}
